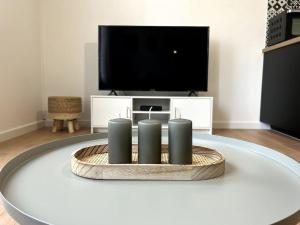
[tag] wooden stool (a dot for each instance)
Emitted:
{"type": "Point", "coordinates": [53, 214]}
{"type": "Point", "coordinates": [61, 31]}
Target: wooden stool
{"type": "Point", "coordinates": [62, 108]}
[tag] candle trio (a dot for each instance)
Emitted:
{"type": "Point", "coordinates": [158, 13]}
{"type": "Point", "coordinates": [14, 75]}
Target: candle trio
{"type": "Point", "coordinates": [149, 141]}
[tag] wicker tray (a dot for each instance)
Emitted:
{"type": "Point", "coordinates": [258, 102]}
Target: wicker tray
{"type": "Point", "coordinates": [92, 162]}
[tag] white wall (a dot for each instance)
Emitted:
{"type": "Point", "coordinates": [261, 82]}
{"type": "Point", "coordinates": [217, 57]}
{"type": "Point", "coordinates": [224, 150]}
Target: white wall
{"type": "Point", "coordinates": [20, 73]}
{"type": "Point", "coordinates": [69, 47]}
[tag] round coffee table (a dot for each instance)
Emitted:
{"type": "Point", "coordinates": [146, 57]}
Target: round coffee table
{"type": "Point", "coordinates": [260, 186]}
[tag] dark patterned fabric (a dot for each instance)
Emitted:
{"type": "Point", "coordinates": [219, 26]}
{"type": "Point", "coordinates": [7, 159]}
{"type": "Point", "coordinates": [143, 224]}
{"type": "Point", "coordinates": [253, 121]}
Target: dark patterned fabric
{"type": "Point", "coordinates": [277, 6]}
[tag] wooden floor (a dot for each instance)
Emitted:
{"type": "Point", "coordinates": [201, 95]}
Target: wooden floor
{"type": "Point", "coordinates": [13, 147]}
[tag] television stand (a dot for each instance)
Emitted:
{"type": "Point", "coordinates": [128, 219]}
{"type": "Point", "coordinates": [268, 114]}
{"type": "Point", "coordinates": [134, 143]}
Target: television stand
{"type": "Point", "coordinates": [192, 93]}
{"type": "Point", "coordinates": [113, 92]}
{"type": "Point", "coordinates": [197, 109]}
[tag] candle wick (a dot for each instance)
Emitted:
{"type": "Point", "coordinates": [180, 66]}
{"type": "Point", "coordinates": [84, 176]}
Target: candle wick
{"type": "Point", "coordinates": [150, 112]}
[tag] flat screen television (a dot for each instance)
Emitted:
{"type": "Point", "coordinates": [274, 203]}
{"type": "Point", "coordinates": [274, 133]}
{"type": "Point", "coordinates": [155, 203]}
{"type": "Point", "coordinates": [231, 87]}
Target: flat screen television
{"type": "Point", "coordinates": [157, 58]}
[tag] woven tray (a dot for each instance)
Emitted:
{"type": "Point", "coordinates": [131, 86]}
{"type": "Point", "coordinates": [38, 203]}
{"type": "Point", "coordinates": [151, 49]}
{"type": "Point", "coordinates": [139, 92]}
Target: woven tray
{"type": "Point", "coordinates": [92, 162]}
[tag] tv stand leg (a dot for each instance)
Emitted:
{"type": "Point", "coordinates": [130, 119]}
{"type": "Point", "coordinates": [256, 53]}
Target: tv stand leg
{"type": "Point", "coordinates": [192, 93]}
{"type": "Point", "coordinates": [113, 92]}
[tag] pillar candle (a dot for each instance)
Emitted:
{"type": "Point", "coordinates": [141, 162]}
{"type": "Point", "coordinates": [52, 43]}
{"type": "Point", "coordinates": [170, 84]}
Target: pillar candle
{"type": "Point", "coordinates": [120, 141]}
{"type": "Point", "coordinates": [149, 142]}
{"type": "Point", "coordinates": [180, 141]}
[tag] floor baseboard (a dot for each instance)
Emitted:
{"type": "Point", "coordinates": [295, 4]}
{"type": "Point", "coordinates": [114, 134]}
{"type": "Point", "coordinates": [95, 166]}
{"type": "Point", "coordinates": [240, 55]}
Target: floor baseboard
{"type": "Point", "coordinates": [20, 130]}
{"type": "Point", "coordinates": [216, 124]}
{"type": "Point", "coordinates": [240, 125]}
{"type": "Point", "coordinates": [82, 123]}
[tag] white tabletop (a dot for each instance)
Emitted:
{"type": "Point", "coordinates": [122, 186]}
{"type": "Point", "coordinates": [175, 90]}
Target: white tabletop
{"type": "Point", "coordinates": [260, 186]}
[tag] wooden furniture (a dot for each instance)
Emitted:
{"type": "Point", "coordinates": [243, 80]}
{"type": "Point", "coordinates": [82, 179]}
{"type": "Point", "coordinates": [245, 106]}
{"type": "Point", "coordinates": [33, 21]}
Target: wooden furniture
{"type": "Point", "coordinates": [92, 162]}
{"type": "Point", "coordinates": [245, 161]}
{"type": "Point", "coordinates": [61, 108]}
{"type": "Point", "coordinates": [280, 99]}
{"type": "Point", "coordinates": [197, 109]}
{"type": "Point", "coordinates": [267, 138]}
{"type": "Point", "coordinates": [282, 44]}
{"type": "Point", "coordinates": [16, 146]}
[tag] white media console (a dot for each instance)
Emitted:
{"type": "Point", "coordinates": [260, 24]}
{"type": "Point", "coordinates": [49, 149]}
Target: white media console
{"type": "Point", "coordinates": [197, 109]}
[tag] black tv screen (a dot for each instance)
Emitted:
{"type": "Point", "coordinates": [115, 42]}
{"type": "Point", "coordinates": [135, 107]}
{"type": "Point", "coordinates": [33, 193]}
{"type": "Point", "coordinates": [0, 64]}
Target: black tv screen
{"type": "Point", "coordinates": [153, 58]}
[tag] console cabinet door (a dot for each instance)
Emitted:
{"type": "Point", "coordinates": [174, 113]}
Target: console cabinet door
{"type": "Point", "coordinates": [197, 110]}
{"type": "Point", "coordinates": [104, 109]}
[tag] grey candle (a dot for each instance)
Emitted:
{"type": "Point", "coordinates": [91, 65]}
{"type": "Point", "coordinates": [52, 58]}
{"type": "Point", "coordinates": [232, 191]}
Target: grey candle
{"type": "Point", "coordinates": [119, 141]}
{"type": "Point", "coordinates": [149, 142]}
{"type": "Point", "coordinates": [180, 141]}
